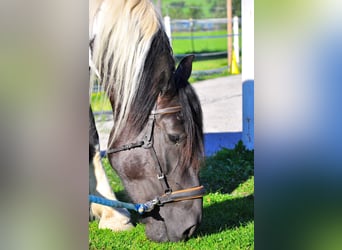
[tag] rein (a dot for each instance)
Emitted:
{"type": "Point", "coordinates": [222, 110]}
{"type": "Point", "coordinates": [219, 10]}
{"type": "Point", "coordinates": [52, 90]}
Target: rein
{"type": "Point", "coordinates": [141, 208]}
{"type": "Point", "coordinates": [168, 196]}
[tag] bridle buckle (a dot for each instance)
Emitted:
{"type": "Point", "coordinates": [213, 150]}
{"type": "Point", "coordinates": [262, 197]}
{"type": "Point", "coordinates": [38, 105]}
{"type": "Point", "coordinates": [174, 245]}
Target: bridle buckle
{"type": "Point", "coordinates": [168, 191]}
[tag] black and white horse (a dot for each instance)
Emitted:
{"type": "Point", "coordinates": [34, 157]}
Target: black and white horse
{"type": "Point", "coordinates": [156, 143]}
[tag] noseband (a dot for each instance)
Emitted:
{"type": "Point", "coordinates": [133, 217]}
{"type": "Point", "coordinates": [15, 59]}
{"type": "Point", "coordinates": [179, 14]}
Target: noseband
{"type": "Point", "coordinates": [147, 143]}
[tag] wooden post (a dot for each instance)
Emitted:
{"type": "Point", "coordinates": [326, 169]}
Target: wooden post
{"type": "Point", "coordinates": [229, 32]}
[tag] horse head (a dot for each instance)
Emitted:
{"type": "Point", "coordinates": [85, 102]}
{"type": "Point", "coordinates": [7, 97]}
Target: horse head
{"type": "Point", "coordinates": [171, 163]}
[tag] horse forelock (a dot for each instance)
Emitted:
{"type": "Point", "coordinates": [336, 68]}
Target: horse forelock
{"type": "Point", "coordinates": [123, 36]}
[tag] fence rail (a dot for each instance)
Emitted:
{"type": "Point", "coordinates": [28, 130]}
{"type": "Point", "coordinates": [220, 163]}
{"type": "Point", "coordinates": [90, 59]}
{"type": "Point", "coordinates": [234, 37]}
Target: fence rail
{"type": "Point", "coordinates": [202, 37]}
{"type": "Point", "coordinates": [208, 72]}
{"type": "Point", "coordinates": [202, 56]}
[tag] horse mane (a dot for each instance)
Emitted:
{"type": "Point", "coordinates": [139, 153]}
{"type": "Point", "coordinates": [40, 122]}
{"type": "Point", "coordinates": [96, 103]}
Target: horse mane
{"type": "Point", "coordinates": [193, 151]}
{"type": "Point", "coordinates": [128, 45]}
{"type": "Point", "coordinates": [124, 31]}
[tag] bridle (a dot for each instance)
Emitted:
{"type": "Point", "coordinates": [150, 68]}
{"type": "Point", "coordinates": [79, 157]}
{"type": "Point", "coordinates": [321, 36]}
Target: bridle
{"type": "Point", "coordinates": [147, 143]}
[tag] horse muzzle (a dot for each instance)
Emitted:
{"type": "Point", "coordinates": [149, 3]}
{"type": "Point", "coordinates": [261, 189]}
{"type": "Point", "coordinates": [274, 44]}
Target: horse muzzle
{"type": "Point", "coordinates": [174, 221]}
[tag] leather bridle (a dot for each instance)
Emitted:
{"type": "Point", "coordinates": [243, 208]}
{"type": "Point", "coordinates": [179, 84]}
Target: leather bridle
{"type": "Point", "coordinates": [147, 143]}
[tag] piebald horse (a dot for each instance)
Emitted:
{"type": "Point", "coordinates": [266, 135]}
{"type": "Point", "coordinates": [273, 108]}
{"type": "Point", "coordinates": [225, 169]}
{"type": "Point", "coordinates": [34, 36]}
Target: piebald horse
{"type": "Point", "coordinates": [156, 143]}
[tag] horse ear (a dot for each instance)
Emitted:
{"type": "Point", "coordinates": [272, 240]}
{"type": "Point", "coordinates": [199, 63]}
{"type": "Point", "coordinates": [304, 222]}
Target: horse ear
{"type": "Point", "coordinates": [184, 68]}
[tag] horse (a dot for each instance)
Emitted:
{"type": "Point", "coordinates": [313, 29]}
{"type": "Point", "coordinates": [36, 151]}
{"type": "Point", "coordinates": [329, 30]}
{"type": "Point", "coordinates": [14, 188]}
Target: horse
{"type": "Point", "coordinates": [156, 143]}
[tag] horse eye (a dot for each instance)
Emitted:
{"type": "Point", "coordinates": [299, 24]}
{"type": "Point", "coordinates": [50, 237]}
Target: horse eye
{"type": "Point", "coordinates": [174, 138]}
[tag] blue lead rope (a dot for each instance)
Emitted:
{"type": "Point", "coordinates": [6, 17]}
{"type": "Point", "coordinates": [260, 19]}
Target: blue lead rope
{"type": "Point", "coordinates": [184, 194]}
{"type": "Point", "coordinates": [140, 208]}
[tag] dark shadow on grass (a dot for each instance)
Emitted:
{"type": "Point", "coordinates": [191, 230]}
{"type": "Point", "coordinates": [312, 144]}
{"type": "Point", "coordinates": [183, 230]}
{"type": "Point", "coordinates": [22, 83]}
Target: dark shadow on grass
{"type": "Point", "coordinates": [225, 179]}
{"type": "Point", "coordinates": [226, 215]}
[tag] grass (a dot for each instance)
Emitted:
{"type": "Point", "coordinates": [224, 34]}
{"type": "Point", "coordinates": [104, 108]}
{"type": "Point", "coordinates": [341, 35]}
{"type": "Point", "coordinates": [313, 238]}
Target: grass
{"type": "Point", "coordinates": [209, 64]}
{"type": "Point", "coordinates": [99, 102]}
{"type": "Point", "coordinates": [200, 65]}
{"type": "Point", "coordinates": [185, 46]}
{"type": "Point", "coordinates": [228, 218]}
{"type": "Point", "coordinates": [202, 77]}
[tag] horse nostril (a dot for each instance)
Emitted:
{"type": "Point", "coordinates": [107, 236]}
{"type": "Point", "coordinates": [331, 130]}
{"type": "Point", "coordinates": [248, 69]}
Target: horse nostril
{"type": "Point", "coordinates": [188, 232]}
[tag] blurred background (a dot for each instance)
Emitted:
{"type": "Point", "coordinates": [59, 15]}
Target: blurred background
{"type": "Point", "coordinates": [202, 28]}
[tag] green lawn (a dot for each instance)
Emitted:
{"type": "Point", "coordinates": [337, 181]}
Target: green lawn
{"type": "Point", "coordinates": [209, 64]}
{"type": "Point", "coordinates": [207, 45]}
{"type": "Point", "coordinates": [200, 45]}
{"type": "Point", "coordinates": [99, 102]}
{"type": "Point", "coordinates": [228, 217]}
{"type": "Point", "coordinates": [184, 46]}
